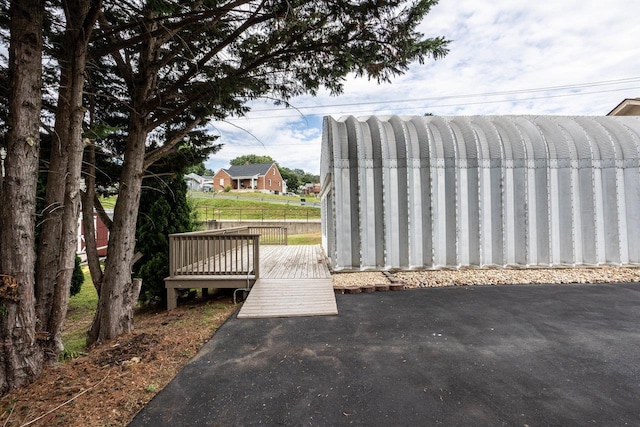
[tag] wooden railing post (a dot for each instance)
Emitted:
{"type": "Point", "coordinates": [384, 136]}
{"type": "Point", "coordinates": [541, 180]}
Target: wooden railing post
{"type": "Point", "coordinates": [172, 254]}
{"type": "Point", "coordinates": [256, 256]}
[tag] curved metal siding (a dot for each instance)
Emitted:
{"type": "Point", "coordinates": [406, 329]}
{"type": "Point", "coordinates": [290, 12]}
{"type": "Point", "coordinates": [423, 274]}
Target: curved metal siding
{"type": "Point", "coordinates": [429, 192]}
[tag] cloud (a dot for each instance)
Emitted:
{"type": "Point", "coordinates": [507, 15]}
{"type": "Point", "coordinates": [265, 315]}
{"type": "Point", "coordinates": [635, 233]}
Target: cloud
{"type": "Point", "coordinates": [500, 51]}
{"type": "Point", "coordinates": [293, 142]}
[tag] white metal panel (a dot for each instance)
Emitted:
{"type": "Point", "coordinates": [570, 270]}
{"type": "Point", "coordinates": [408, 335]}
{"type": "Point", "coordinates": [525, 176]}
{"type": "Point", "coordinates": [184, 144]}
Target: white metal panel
{"type": "Point", "coordinates": [429, 192]}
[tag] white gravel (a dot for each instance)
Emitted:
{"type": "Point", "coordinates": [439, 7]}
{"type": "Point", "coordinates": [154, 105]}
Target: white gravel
{"type": "Point", "coordinates": [492, 276]}
{"type": "Point", "coordinates": [359, 278]}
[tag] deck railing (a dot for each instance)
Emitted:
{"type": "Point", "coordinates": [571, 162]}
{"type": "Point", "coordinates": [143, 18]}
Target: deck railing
{"type": "Point", "coordinates": [270, 235]}
{"type": "Point", "coordinates": [232, 251]}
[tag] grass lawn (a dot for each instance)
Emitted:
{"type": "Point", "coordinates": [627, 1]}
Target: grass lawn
{"type": "Point", "coordinates": [250, 209]}
{"type": "Point", "coordinates": [82, 307]}
{"type": "Point", "coordinates": [305, 239]}
{"type": "Point", "coordinates": [108, 202]}
{"type": "Point", "coordinates": [245, 206]}
{"type": "Point", "coordinates": [252, 195]}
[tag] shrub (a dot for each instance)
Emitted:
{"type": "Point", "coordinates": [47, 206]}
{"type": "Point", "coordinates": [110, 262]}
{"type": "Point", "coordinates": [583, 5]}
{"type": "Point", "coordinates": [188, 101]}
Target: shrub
{"type": "Point", "coordinates": [164, 209]}
{"type": "Point", "coordinates": [77, 279]}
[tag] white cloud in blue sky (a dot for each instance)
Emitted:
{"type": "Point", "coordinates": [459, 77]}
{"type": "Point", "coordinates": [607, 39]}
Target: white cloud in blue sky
{"type": "Point", "coordinates": [503, 46]}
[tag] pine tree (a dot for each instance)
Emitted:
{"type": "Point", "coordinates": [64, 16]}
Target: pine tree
{"type": "Point", "coordinates": [164, 209]}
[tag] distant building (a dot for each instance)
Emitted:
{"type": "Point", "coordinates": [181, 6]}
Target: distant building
{"type": "Point", "coordinates": [194, 181]}
{"type": "Point", "coordinates": [628, 107]}
{"type": "Point", "coordinates": [207, 184]}
{"type": "Point", "coordinates": [258, 177]}
{"type": "Point", "coordinates": [102, 234]}
{"type": "Point", "coordinates": [311, 188]}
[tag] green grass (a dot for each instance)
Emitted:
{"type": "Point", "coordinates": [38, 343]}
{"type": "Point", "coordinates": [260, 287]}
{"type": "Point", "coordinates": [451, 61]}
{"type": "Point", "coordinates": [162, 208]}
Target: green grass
{"type": "Point", "coordinates": [108, 202]}
{"type": "Point", "coordinates": [74, 344]}
{"type": "Point", "coordinates": [245, 206]}
{"type": "Point", "coordinates": [304, 239]}
{"type": "Point", "coordinates": [82, 307]}
{"type": "Point", "coordinates": [251, 195]}
{"type": "Point", "coordinates": [86, 301]}
{"type": "Point", "coordinates": [250, 209]}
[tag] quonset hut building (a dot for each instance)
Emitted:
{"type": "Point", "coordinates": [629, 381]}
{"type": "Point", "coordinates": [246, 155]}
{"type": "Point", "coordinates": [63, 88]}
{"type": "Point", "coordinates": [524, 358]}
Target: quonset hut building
{"type": "Point", "coordinates": [432, 192]}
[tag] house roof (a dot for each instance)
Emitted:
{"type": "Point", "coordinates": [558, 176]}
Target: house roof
{"type": "Point", "coordinates": [194, 177]}
{"type": "Point", "coordinates": [628, 107]}
{"type": "Point", "coordinates": [248, 171]}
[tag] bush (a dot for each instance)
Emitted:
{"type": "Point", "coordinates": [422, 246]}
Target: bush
{"type": "Point", "coordinates": [227, 188]}
{"type": "Point", "coordinates": [164, 209]}
{"type": "Point", "coordinates": [77, 279]}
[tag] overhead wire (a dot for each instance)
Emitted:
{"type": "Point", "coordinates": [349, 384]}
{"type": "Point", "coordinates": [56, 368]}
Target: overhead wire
{"type": "Point", "coordinates": [324, 107]}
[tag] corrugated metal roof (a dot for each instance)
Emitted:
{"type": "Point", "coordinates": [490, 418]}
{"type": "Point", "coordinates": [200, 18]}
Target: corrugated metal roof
{"type": "Point", "coordinates": [430, 191]}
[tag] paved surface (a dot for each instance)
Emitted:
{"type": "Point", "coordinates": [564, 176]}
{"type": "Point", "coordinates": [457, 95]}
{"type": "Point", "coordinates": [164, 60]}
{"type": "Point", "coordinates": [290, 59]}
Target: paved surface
{"type": "Point", "coordinates": [510, 355]}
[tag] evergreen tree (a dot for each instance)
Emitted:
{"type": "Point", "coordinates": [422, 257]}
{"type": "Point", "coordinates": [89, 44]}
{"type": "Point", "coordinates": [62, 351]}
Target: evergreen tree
{"type": "Point", "coordinates": [77, 279]}
{"type": "Point", "coordinates": [164, 209]}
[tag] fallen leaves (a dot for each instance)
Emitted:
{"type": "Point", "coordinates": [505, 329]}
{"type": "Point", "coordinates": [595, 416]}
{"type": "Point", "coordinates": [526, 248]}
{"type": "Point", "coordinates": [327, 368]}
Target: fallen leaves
{"type": "Point", "coordinates": [113, 381]}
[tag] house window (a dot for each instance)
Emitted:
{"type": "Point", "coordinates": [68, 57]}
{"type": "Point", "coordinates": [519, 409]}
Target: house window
{"type": "Point", "coordinates": [221, 182]}
{"type": "Point", "coordinates": [274, 171]}
{"type": "Point", "coordinates": [269, 182]}
{"type": "Point", "coordinates": [278, 183]}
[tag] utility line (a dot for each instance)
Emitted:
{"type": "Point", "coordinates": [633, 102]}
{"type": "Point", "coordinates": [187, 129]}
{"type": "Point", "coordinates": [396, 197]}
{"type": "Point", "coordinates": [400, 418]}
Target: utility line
{"type": "Point", "coordinates": [431, 106]}
{"type": "Point", "coordinates": [474, 95]}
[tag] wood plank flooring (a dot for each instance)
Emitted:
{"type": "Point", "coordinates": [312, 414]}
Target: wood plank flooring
{"type": "Point", "coordinates": [294, 281]}
{"type": "Point", "coordinates": [293, 262]}
{"type": "Point", "coordinates": [289, 298]}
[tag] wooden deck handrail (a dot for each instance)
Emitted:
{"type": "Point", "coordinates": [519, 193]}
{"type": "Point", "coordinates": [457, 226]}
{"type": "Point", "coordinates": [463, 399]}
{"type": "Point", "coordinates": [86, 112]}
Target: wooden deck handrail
{"type": "Point", "coordinates": [270, 235]}
{"type": "Point", "coordinates": [230, 251]}
{"type": "Point", "coordinates": [214, 254]}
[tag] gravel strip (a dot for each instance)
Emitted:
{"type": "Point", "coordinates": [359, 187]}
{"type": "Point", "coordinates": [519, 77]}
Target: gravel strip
{"type": "Point", "coordinates": [358, 279]}
{"type": "Point", "coordinates": [493, 276]}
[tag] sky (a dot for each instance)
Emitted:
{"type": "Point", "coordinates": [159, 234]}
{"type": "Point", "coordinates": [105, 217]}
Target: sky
{"type": "Point", "coordinates": [562, 57]}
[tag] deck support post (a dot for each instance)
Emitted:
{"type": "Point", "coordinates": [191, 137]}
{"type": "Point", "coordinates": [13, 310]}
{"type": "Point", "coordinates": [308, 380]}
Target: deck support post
{"type": "Point", "coordinates": [172, 299]}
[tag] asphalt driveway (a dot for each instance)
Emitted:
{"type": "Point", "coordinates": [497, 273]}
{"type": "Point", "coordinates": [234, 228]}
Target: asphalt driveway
{"type": "Point", "coordinates": [484, 355]}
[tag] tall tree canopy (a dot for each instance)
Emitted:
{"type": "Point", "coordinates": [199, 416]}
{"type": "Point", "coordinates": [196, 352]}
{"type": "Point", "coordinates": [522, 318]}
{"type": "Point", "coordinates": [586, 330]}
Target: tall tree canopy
{"type": "Point", "coordinates": [180, 65]}
{"type": "Point", "coordinates": [154, 74]}
{"type": "Point", "coordinates": [251, 159]}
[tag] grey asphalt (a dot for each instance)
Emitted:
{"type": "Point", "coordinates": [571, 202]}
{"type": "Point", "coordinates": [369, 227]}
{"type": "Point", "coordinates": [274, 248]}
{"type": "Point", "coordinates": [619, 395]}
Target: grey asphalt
{"type": "Point", "coordinates": [526, 355]}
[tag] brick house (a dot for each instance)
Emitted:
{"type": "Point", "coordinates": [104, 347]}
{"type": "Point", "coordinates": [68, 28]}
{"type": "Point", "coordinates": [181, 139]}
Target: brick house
{"type": "Point", "coordinates": [258, 177]}
{"type": "Point", "coordinates": [312, 189]}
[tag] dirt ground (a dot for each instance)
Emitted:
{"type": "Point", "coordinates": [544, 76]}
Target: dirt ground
{"type": "Point", "coordinates": [112, 382]}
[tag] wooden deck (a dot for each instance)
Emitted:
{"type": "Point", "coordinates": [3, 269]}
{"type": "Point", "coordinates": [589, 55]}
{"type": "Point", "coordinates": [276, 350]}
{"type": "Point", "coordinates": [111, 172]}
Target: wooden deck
{"type": "Point", "coordinates": [293, 262]}
{"type": "Point", "coordinates": [294, 281]}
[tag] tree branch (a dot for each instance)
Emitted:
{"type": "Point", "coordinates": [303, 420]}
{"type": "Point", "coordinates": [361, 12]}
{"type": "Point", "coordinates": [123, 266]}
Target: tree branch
{"type": "Point", "coordinates": [153, 156]}
{"type": "Point", "coordinates": [102, 213]}
{"type": "Point", "coordinates": [191, 18]}
{"type": "Point", "coordinates": [195, 68]}
{"type": "Point", "coordinates": [123, 67]}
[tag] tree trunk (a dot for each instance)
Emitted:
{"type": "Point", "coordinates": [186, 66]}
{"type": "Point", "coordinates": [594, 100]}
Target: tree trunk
{"type": "Point", "coordinates": [59, 234]}
{"type": "Point", "coordinates": [117, 294]}
{"type": "Point", "coordinates": [87, 213]}
{"type": "Point", "coordinates": [21, 355]}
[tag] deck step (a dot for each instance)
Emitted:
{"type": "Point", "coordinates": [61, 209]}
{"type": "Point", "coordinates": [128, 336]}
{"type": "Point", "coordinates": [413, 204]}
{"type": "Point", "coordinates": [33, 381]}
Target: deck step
{"type": "Point", "coordinates": [290, 298]}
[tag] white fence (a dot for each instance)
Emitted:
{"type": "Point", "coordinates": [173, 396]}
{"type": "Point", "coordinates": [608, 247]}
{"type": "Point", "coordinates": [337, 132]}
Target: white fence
{"type": "Point", "coordinates": [430, 192]}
